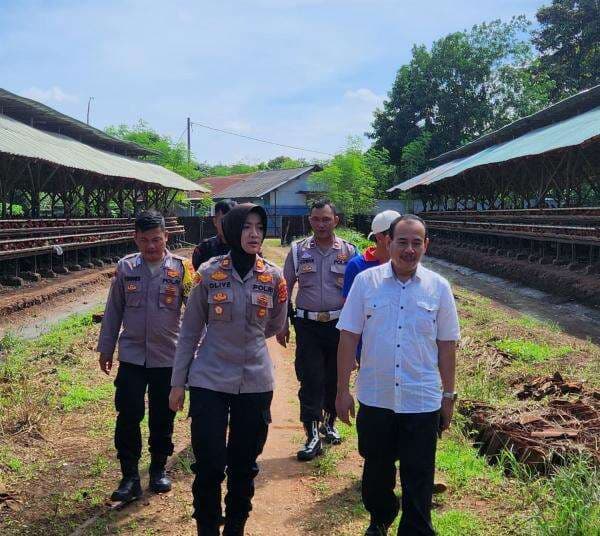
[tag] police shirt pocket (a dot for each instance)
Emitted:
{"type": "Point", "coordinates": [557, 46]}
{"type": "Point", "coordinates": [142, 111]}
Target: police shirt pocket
{"type": "Point", "coordinates": [262, 303]}
{"type": "Point", "coordinates": [133, 293]}
{"type": "Point", "coordinates": [307, 273]}
{"type": "Point", "coordinates": [338, 271]}
{"type": "Point", "coordinates": [426, 317]}
{"type": "Point", "coordinates": [168, 297]}
{"type": "Point", "coordinates": [219, 306]}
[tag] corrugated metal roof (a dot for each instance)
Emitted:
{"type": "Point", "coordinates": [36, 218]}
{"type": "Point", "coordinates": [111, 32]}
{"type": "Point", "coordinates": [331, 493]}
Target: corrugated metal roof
{"type": "Point", "coordinates": [22, 140]}
{"type": "Point", "coordinates": [567, 133]}
{"type": "Point", "coordinates": [257, 184]}
{"type": "Point", "coordinates": [43, 117]}
{"type": "Point", "coordinates": [559, 111]}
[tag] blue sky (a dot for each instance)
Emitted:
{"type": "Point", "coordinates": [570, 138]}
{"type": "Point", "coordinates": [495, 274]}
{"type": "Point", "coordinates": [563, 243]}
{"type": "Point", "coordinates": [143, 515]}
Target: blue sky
{"type": "Point", "coordinates": [306, 73]}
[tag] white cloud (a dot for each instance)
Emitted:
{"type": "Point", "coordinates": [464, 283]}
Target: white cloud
{"type": "Point", "coordinates": [365, 95]}
{"type": "Point", "coordinates": [52, 94]}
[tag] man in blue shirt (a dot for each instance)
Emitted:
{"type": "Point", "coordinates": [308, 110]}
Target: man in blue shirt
{"type": "Point", "coordinates": [373, 255]}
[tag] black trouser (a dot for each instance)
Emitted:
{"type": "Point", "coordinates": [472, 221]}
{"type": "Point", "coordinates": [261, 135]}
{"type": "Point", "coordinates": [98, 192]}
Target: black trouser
{"type": "Point", "coordinates": [131, 384]}
{"type": "Point", "coordinates": [249, 415]}
{"type": "Point", "coordinates": [383, 438]}
{"type": "Point", "coordinates": [316, 367]}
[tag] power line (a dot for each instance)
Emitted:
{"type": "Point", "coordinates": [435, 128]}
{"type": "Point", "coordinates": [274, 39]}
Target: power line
{"type": "Point", "coordinates": [260, 140]}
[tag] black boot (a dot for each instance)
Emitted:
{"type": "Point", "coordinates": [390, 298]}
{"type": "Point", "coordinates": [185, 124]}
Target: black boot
{"type": "Point", "coordinates": [313, 446]}
{"type": "Point", "coordinates": [329, 431]}
{"type": "Point", "coordinates": [159, 481]}
{"type": "Point", "coordinates": [129, 488]}
{"type": "Point", "coordinates": [234, 526]}
{"type": "Point", "coordinates": [377, 529]}
{"type": "Point", "coordinates": [207, 530]}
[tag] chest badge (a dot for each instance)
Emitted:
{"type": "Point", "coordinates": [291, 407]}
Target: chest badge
{"type": "Point", "coordinates": [265, 278]}
{"type": "Point", "coordinates": [341, 257]}
{"type": "Point", "coordinates": [218, 310]}
{"type": "Point", "coordinates": [225, 263]}
{"type": "Point", "coordinates": [172, 273]}
{"type": "Point", "coordinates": [262, 312]}
{"type": "Point", "coordinates": [169, 299]}
{"type": "Point", "coordinates": [262, 300]}
{"type": "Point", "coordinates": [307, 268]}
{"type": "Point", "coordinates": [220, 297]}
{"type": "Point", "coordinates": [131, 287]}
{"type": "Point", "coordinates": [219, 275]}
{"type": "Point", "coordinates": [171, 289]}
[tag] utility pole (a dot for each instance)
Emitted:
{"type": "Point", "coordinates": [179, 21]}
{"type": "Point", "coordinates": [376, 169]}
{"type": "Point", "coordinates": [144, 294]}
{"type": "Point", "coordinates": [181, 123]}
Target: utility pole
{"type": "Point", "coordinates": [189, 145]}
{"type": "Point", "coordinates": [88, 110]}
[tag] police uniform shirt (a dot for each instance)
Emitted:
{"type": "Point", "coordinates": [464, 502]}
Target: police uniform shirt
{"type": "Point", "coordinates": [147, 306]}
{"type": "Point", "coordinates": [239, 315]}
{"type": "Point", "coordinates": [320, 275]}
{"type": "Point", "coordinates": [211, 247]}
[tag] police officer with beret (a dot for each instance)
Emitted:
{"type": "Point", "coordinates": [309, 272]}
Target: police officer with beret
{"type": "Point", "coordinates": [241, 299]}
{"type": "Point", "coordinates": [145, 300]}
{"type": "Point", "coordinates": [318, 264]}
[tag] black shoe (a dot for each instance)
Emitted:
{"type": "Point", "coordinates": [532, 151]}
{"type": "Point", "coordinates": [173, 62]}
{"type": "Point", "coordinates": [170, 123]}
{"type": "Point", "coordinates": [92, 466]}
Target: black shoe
{"type": "Point", "coordinates": [208, 530]}
{"type": "Point", "coordinates": [159, 481]}
{"type": "Point", "coordinates": [377, 529]}
{"type": "Point", "coordinates": [234, 526]}
{"type": "Point", "coordinates": [313, 446]}
{"type": "Point", "coordinates": [329, 431]}
{"type": "Point", "coordinates": [129, 489]}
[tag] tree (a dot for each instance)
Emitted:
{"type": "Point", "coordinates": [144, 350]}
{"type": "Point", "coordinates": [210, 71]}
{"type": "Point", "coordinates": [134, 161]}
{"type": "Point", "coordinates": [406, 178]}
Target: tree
{"type": "Point", "coordinates": [469, 83]}
{"type": "Point", "coordinates": [569, 43]}
{"type": "Point", "coordinates": [170, 154]}
{"type": "Point", "coordinates": [349, 181]}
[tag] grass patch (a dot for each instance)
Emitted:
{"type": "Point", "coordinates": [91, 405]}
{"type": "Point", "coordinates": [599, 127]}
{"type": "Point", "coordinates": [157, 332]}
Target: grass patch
{"type": "Point", "coordinates": [458, 523]}
{"type": "Point", "coordinates": [77, 395]}
{"type": "Point", "coordinates": [9, 461]}
{"type": "Point", "coordinates": [462, 466]}
{"type": "Point", "coordinates": [530, 351]}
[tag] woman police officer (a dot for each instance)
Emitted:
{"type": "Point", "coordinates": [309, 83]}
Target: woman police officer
{"type": "Point", "coordinates": [242, 300]}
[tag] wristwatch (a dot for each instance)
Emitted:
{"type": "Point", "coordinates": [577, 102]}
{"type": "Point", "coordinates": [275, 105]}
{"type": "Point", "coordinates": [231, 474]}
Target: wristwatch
{"type": "Point", "coordinates": [452, 395]}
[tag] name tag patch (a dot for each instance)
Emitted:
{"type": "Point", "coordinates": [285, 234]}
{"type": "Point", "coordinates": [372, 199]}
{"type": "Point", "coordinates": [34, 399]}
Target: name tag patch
{"type": "Point", "coordinates": [221, 284]}
{"type": "Point", "coordinates": [132, 278]}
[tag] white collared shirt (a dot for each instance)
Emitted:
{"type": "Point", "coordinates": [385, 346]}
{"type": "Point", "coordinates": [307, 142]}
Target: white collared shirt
{"type": "Point", "coordinates": [400, 323]}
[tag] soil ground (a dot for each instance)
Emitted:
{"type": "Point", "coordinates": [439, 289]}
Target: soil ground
{"type": "Point", "coordinates": [57, 464]}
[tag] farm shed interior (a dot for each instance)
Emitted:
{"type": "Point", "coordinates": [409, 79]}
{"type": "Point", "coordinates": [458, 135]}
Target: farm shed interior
{"type": "Point", "coordinates": [77, 190]}
{"type": "Point", "coordinates": [530, 190]}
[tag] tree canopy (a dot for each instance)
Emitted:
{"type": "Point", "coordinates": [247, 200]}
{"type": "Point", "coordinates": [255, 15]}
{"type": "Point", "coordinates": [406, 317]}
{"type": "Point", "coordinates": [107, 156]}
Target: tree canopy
{"type": "Point", "coordinates": [568, 40]}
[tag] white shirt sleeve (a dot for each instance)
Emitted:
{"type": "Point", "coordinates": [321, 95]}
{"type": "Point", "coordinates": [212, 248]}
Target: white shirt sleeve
{"type": "Point", "coordinates": [352, 317]}
{"type": "Point", "coordinates": [448, 328]}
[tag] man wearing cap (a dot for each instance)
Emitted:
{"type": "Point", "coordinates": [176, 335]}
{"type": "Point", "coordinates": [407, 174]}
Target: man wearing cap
{"type": "Point", "coordinates": [373, 255]}
{"type": "Point", "coordinates": [145, 300]}
{"type": "Point", "coordinates": [318, 264]}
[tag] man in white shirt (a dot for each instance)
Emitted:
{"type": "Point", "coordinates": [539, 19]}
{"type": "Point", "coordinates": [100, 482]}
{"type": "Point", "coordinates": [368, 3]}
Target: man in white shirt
{"type": "Point", "coordinates": [405, 387]}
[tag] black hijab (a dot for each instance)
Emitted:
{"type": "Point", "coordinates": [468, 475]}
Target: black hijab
{"type": "Point", "coordinates": [233, 223]}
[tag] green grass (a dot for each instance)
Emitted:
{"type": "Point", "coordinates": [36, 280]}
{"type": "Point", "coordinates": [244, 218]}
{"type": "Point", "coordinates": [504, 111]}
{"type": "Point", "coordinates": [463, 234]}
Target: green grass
{"type": "Point", "coordinates": [9, 461]}
{"type": "Point", "coordinates": [462, 466]}
{"type": "Point", "coordinates": [530, 351]}
{"type": "Point", "coordinates": [354, 237]}
{"type": "Point", "coordinates": [77, 395]}
{"type": "Point", "coordinates": [565, 504]}
{"type": "Point", "coordinates": [458, 523]}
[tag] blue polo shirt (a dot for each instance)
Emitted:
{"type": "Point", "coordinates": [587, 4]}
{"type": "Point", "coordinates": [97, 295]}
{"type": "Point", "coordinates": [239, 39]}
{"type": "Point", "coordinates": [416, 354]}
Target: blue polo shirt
{"type": "Point", "coordinates": [356, 265]}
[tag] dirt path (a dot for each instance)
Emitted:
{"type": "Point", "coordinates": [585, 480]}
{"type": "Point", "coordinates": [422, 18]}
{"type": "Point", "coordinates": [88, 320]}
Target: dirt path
{"type": "Point", "coordinates": [283, 488]}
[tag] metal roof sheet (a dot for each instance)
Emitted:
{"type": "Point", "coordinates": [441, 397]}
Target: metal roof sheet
{"type": "Point", "coordinates": [260, 183]}
{"type": "Point", "coordinates": [570, 132]}
{"type": "Point", "coordinates": [22, 140]}
{"type": "Point", "coordinates": [571, 106]}
{"type": "Point", "coordinates": [48, 119]}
